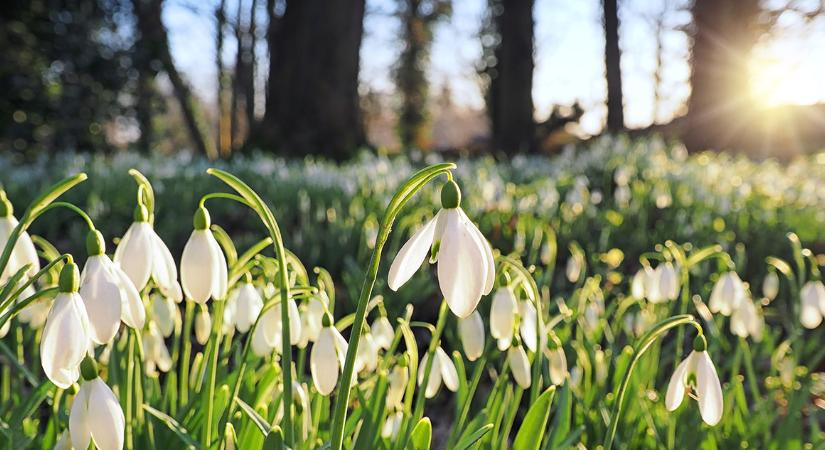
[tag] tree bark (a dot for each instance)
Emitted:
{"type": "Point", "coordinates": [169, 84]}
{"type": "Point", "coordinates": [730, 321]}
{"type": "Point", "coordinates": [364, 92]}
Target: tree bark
{"type": "Point", "coordinates": [312, 94]}
{"type": "Point", "coordinates": [725, 32]}
{"type": "Point", "coordinates": [613, 66]}
{"type": "Point", "coordinates": [155, 41]}
{"type": "Point", "coordinates": [510, 90]}
{"type": "Point", "coordinates": [224, 139]}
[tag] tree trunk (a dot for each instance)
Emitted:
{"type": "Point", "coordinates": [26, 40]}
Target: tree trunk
{"type": "Point", "coordinates": [725, 32]}
{"type": "Point", "coordinates": [510, 90]}
{"type": "Point", "coordinates": [613, 69]}
{"type": "Point", "coordinates": [224, 139]}
{"type": "Point", "coordinates": [154, 39]}
{"type": "Point", "coordinates": [312, 94]}
{"type": "Point", "coordinates": [251, 62]}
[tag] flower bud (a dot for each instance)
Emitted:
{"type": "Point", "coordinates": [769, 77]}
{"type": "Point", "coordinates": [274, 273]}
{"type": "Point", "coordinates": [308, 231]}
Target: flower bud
{"type": "Point", "coordinates": [88, 368]}
{"type": "Point", "coordinates": [6, 208]}
{"type": "Point", "coordinates": [95, 244]}
{"type": "Point", "coordinates": [201, 220]}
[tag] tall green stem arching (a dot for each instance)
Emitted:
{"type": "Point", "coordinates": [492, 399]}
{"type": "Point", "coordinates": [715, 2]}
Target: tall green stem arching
{"type": "Point", "coordinates": [401, 197]}
{"type": "Point", "coordinates": [254, 201]}
{"type": "Point", "coordinates": [638, 350]}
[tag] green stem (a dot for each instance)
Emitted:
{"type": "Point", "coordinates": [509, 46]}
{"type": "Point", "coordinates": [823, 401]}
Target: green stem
{"type": "Point", "coordinates": [213, 373]}
{"type": "Point", "coordinates": [186, 355]}
{"type": "Point", "coordinates": [251, 199]}
{"type": "Point", "coordinates": [130, 389]}
{"type": "Point", "coordinates": [639, 349]}
{"type": "Point", "coordinates": [401, 197]}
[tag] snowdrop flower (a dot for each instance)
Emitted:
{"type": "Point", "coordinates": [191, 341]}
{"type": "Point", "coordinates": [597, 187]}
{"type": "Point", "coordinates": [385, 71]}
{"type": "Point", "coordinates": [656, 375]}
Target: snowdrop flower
{"type": "Point", "coordinates": [471, 331]}
{"type": "Point", "coordinates": [747, 321]}
{"type": "Point", "coordinates": [466, 269]}
{"type": "Point", "coordinates": [697, 375]}
{"type": "Point", "coordinates": [65, 442]}
{"type": "Point", "coordinates": [812, 296]}
{"type": "Point", "coordinates": [382, 332]}
{"type": "Point", "coordinates": [142, 254]}
{"type": "Point", "coordinates": [156, 354]}
{"type": "Point", "coordinates": [637, 286]}
{"type": "Point", "coordinates": [165, 314]}
{"type": "Point", "coordinates": [203, 325]}
{"type": "Point", "coordinates": [267, 336]}
{"type": "Point", "coordinates": [35, 313]}
{"type": "Point", "coordinates": [23, 252]}
{"type": "Point", "coordinates": [519, 365]}
{"type": "Point", "coordinates": [770, 285]}
{"type": "Point", "coordinates": [108, 294]}
{"type": "Point", "coordinates": [502, 317]}
{"type": "Point", "coordinates": [96, 415]}
{"type": "Point", "coordinates": [397, 384]}
{"type": "Point", "coordinates": [392, 425]}
{"type": "Point", "coordinates": [727, 294]}
{"type": "Point", "coordinates": [312, 317]}
{"type": "Point", "coordinates": [203, 267]}
{"type": "Point", "coordinates": [443, 369]}
{"type": "Point", "coordinates": [668, 281]}
{"type": "Point", "coordinates": [574, 268]}
{"type": "Point", "coordinates": [66, 337]}
{"type": "Point", "coordinates": [554, 353]}
{"type": "Point", "coordinates": [652, 291]}
{"type": "Point", "coordinates": [366, 358]}
{"type": "Point", "coordinates": [248, 306]}
{"type": "Point", "coordinates": [326, 360]}
{"type": "Point", "coordinates": [528, 325]}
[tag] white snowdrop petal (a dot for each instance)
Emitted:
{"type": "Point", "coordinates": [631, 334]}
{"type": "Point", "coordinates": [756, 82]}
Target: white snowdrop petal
{"type": "Point", "coordinates": [102, 299]}
{"type": "Point", "coordinates": [65, 340]}
{"type": "Point", "coordinates": [133, 313]}
{"type": "Point", "coordinates": [323, 363]}
{"type": "Point", "coordinates": [810, 314]}
{"type": "Point", "coordinates": [25, 253]}
{"type": "Point", "coordinates": [220, 271]}
{"type": "Point", "coordinates": [708, 390]}
{"type": "Point", "coordinates": [382, 332]}
{"type": "Point", "coordinates": [558, 366]}
{"type": "Point", "coordinates": [449, 374]}
{"type": "Point", "coordinates": [528, 325]}
{"type": "Point", "coordinates": [676, 387]}
{"type": "Point", "coordinates": [341, 346]}
{"type": "Point", "coordinates": [135, 252]}
{"type": "Point", "coordinates": [411, 255]}
{"type": "Point", "coordinates": [79, 424]}
{"type": "Point", "coordinates": [503, 314]}
{"type": "Point", "coordinates": [519, 365]}
{"type": "Point", "coordinates": [203, 326]}
{"type": "Point", "coordinates": [471, 331]}
{"type": "Point", "coordinates": [294, 322]}
{"type": "Point", "coordinates": [487, 251]}
{"type": "Point", "coordinates": [105, 417]}
{"type": "Point", "coordinates": [248, 306]}
{"type": "Point", "coordinates": [197, 267]}
{"type": "Point", "coordinates": [164, 270]}
{"type": "Point", "coordinates": [461, 268]}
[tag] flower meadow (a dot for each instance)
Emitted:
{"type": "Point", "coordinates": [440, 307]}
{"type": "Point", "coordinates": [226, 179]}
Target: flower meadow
{"type": "Point", "coordinates": [624, 295]}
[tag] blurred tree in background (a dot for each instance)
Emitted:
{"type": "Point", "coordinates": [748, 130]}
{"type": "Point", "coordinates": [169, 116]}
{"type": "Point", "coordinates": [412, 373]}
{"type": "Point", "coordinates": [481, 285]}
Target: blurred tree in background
{"type": "Point", "coordinates": [63, 70]}
{"type": "Point", "coordinates": [417, 20]}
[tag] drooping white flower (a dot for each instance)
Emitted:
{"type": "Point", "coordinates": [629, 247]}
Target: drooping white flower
{"type": "Point", "coordinates": [397, 385]}
{"type": "Point", "coordinates": [382, 332]}
{"type": "Point", "coordinates": [203, 271]}
{"type": "Point", "coordinates": [133, 312]}
{"type": "Point", "coordinates": [248, 306]}
{"type": "Point", "coordinates": [466, 269]}
{"type": "Point", "coordinates": [519, 365]}
{"type": "Point", "coordinates": [312, 317]}
{"type": "Point", "coordinates": [142, 254]}
{"type": "Point", "coordinates": [35, 313]}
{"type": "Point", "coordinates": [203, 325]}
{"type": "Point", "coordinates": [558, 365]}
{"type": "Point", "coordinates": [668, 281]}
{"type": "Point", "coordinates": [812, 296]}
{"type": "Point", "coordinates": [652, 291]}
{"type": "Point", "coordinates": [573, 269]}
{"type": "Point", "coordinates": [23, 251]}
{"type": "Point", "coordinates": [392, 425]}
{"type": "Point", "coordinates": [697, 375]}
{"type": "Point", "coordinates": [503, 316]}
{"type": "Point", "coordinates": [64, 442]}
{"type": "Point", "coordinates": [165, 314]}
{"type": "Point", "coordinates": [101, 297]}
{"type": "Point", "coordinates": [366, 358]}
{"type": "Point", "coordinates": [727, 294]}
{"type": "Point", "coordinates": [66, 337]}
{"type": "Point", "coordinates": [471, 331]}
{"type": "Point", "coordinates": [770, 285]}
{"type": "Point", "coordinates": [268, 333]}
{"type": "Point", "coordinates": [443, 369]}
{"type": "Point", "coordinates": [747, 320]}
{"type": "Point", "coordinates": [326, 360]}
{"type": "Point", "coordinates": [96, 417]}
{"type": "Point", "coordinates": [155, 353]}
{"type": "Point", "coordinates": [528, 325]}
{"type": "Point", "coordinates": [637, 286]}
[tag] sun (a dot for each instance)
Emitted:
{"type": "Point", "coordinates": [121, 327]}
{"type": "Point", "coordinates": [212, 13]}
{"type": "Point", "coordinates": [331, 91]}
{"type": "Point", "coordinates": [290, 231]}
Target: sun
{"type": "Point", "coordinates": [785, 74]}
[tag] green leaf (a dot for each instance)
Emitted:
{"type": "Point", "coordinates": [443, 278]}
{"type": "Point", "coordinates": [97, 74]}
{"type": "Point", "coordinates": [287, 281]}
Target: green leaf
{"type": "Point", "coordinates": [421, 436]}
{"type": "Point", "coordinates": [173, 425]}
{"type": "Point", "coordinates": [253, 415]}
{"type": "Point", "coordinates": [468, 441]}
{"type": "Point", "coordinates": [535, 422]}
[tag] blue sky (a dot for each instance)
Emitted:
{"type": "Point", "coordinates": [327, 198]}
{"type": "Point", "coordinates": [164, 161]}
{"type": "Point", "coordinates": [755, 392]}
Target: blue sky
{"type": "Point", "coordinates": [568, 57]}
